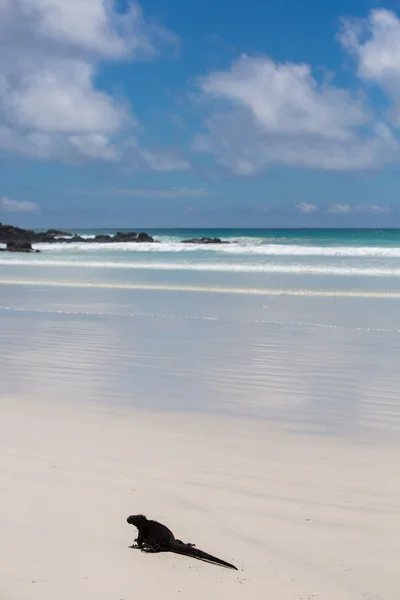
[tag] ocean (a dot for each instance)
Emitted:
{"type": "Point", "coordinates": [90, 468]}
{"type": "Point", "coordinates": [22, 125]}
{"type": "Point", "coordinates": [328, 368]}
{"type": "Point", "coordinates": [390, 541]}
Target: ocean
{"type": "Point", "coordinates": [260, 252]}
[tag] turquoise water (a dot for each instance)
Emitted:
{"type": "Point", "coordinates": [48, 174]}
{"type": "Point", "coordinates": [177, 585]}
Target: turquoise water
{"type": "Point", "coordinates": [323, 237]}
{"type": "Point", "coordinates": [254, 258]}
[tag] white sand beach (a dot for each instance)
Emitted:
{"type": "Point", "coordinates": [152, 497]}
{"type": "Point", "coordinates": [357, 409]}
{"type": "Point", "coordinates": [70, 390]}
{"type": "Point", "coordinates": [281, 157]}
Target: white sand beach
{"type": "Point", "coordinates": [268, 437]}
{"type": "Point", "coordinates": [300, 517]}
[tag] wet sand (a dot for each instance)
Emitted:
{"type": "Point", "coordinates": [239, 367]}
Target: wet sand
{"type": "Point", "coordinates": [264, 431]}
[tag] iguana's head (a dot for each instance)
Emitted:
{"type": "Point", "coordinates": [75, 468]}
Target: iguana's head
{"type": "Point", "coordinates": [136, 520]}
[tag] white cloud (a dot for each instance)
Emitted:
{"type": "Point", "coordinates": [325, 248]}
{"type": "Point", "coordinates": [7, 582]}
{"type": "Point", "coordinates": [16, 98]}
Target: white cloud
{"type": "Point", "coordinates": [50, 108]}
{"type": "Point", "coordinates": [86, 23]}
{"type": "Point", "coordinates": [173, 192]}
{"type": "Point", "coordinates": [285, 99]}
{"type": "Point", "coordinates": [17, 206]}
{"type": "Point", "coordinates": [339, 208]}
{"type": "Point", "coordinates": [94, 145]}
{"type": "Point", "coordinates": [372, 209]}
{"type": "Point", "coordinates": [93, 26]}
{"type": "Point", "coordinates": [60, 98]}
{"type": "Point", "coordinates": [307, 208]}
{"type": "Point", "coordinates": [375, 42]}
{"type": "Point", "coordinates": [264, 113]}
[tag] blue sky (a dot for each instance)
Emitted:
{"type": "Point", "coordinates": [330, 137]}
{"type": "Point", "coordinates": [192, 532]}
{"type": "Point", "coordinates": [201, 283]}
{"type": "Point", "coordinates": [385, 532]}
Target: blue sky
{"type": "Point", "coordinates": [199, 113]}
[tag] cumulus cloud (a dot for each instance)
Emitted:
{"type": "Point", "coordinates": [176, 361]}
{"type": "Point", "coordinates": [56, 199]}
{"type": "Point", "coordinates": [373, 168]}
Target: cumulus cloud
{"type": "Point", "coordinates": [279, 114]}
{"type": "Point", "coordinates": [261, 112]}
{"type": "Point", "coordinates": [93, 25]}
{"type": "Point", "coordinates": [17, 206]}
{"type": "Point", "coordinates": [375, 42]}
{"type": "Point", "coordinates": [285, 99]}
{"type": "Point", "coordinates": [50, 107]}
{"type": "Point", "coordinates": [307, 208]}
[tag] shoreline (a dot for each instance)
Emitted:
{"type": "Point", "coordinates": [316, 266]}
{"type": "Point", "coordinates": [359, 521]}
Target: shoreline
{"type": "Point", "coordinates": [284, 358]}
{"type": "Point", "coordinates": [201, 289]}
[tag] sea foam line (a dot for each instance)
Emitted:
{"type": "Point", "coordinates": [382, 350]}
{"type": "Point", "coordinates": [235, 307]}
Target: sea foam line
{"type": "Point", "coordinates": [249, 248]}
{"type": "Point", "coordinates": [197, 318]}
{"type": "Point", "coordinates": [207, 289]}
{"type": "Point", "coordinates": [212, 267]}
{"type": "Point", "coordinates": [238, 247]}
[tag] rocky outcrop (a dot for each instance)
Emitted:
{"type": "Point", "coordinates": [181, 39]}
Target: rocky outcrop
{"type": "Point", "coordinates": [9, 233]}
{"type": "Point", "coordinates": [18, 247]}
{"type": "Point", "coordinates": [132, 236]}
{"type": "Point", "coordinates": [204, 240]}
{"type": "Point", "coordinates": [102, 239]}
{"type": "Point", "coordinates": [57, 233]}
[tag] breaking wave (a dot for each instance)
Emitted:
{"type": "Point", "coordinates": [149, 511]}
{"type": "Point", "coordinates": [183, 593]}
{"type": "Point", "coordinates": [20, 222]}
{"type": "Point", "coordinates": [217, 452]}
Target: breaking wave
{"type": "Point", "coordinates": [236, 248]}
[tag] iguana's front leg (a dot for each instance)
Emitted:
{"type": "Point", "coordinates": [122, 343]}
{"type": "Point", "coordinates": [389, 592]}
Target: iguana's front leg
{"type": "Point", "coordinates": [153, 547]}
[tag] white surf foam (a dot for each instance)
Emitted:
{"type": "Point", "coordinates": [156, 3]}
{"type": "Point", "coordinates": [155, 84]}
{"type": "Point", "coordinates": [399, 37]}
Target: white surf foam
{"type": "Point", "coordinates": [303, 269]}
{"type": "Point", "coordinates": [239, 248]}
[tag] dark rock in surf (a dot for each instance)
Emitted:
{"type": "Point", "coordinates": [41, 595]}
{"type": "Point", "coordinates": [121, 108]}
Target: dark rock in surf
{"type": "Point", "coordinates": [144, 237]}
{"type": "Point", "coordinates": [18, 247]}
{"type": "Point", "coordinates": [204, 240]}
{"type": "Point", "coordinates": [9, 233]}
{"type": "Point", "coordinates": [57, 232]}
{"type": "Point", "coordinates": [126, 236]}
{"type": "Point", "coordinates": [102, 238]}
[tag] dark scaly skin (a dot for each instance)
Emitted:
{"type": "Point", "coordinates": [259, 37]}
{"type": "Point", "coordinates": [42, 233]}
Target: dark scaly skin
{"type": "Point", "coordinates": [156, 537]}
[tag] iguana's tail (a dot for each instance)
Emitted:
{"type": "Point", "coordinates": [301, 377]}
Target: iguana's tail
{"type": "Point", "coordinates": [189, 550]}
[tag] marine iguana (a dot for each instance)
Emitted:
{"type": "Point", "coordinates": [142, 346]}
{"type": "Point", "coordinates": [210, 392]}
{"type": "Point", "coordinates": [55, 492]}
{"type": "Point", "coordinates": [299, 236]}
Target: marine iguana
{"type": "Point", "coordinates": [155, 537]}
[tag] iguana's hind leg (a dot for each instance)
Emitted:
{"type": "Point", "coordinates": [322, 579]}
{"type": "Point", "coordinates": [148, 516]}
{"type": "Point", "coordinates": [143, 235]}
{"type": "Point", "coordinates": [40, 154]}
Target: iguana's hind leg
{"type": "Point", "coordinates": [185, 544]}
